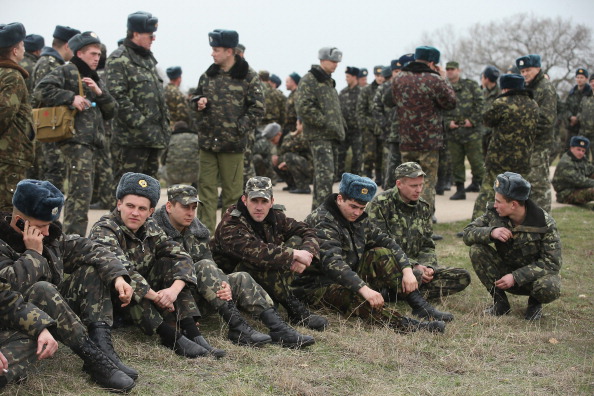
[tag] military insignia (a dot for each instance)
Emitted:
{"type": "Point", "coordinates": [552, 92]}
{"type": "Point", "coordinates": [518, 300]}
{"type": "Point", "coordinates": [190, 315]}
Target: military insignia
{"type": "Point", "coordinates": [93, 34]}
{"type": "Point", "coordinates": [521, 63]}
{"type": "Point", "coordinates": [142, 183]}
{"type": "Point", "coordinates": [55, 211]}
{"type": "Point", "coordinates": [364, 191]}
{"type": "Point", "coordinates": [582, 143]}
{"type": "Point", "coordinates": [497, 183]}
{"type": "Point", "coordinates": [580, 71]}
{"type": "Point", "coordinates": [210, 39]}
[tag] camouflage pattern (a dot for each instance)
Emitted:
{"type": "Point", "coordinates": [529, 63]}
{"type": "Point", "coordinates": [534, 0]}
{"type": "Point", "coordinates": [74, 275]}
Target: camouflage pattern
{"type": "Point", "coordinates": [275, 105]}
{"type": "Point", "coordinates": [296, 152]}
{"type": "Point", "coordinates": [571, 108]}
{"type": "Point", "coordinates": [368, 123]}
{"type": "Point", "coordinates": [136, 158]}
{"type": "Point", "coordinates": [429, 161]}
{"type": "Point", "coordinates": [290, 112]}
{"type": "Point", "coordinates": [183, 160]}
{"type": "Point", "coordinates": [262, 156]}
{"type": "Point", "coordinates": [574, 180]}
{"type": "Point", "coordinates": [103, 176]}
{"type": "Point", "coordinates": [20, 351]}
{"type": "Point", "coordinates": [324, 153]}
{"type": "Point", "coordinates": [410, 225]}
{"type": "Point", "coordinates": [384, 104]}
{"type": "Point", "coordinates": [532, 256]}
{"type": "Point", "coordinates": [353, 134]}
{"type": "Point", "coordinates": [585, 117]}
{"type": "Point", "coordinates": [489, 95]}
{"type": "Point", "coordinates": [28, 63]}
{"type": "Point", "coordinates": [512, 119]}
{"type": "Point", "coordinates": [177, 103]}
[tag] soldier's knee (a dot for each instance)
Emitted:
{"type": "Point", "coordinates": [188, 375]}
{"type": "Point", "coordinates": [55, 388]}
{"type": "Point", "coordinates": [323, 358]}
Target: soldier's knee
{"type": "Point", "coordinates": [43, 288]}
{"type": "Point", "coordinates": [547, 289]}
{"type": "Point", "coordinates": [477, 253]}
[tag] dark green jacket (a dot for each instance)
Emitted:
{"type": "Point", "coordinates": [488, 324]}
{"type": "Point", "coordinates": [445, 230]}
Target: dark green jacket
{"type": "Point", "coordinates": [572, 174]}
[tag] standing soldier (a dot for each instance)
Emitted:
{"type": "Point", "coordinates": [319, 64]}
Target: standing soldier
{"type": "Point", "coordinates": [367, 122]}
{"type": "Point", "coordinates": [348, 104]}
{"type": "Point", "coordinates": [176, 101]}
{"type": "Point", "coordinates": [34, 43]}
{"type": "Point", "coordinates": [280, 100]}
{"type": "Point", "coordinates": [491, 91]}
{"type": "Point", "coordinates": [572, 104]}
{"type": "Point", "coordinates": [585, 117]}
{"type": "Point", "coordinates": [362, 77]}
{"type": "Point", "coordinates": [291, 83]}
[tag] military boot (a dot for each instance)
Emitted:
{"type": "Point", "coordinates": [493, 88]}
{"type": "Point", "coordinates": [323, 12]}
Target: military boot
{"type": "Point", "coordinates": [423, 309]}
{"type": "Point", "coordinates": [459, 194]}
{"type": "Point", "coordinates": [217, 353]}
{"type": "Point", "coordinates": [475, 186]}
{"type": "Point", "coordinates": [283, 334]}
{"type": "Point", "coordinates": [102, 370]}
{"type": "Point", "coordinates": [100, 334]}
{"type": "Point", "coordinates": [534, 309]}
{"type": "Point", "coordinates": [300, 315]}
{"type": "Point", "coordinates": [500, 303]}
{"type": "Point", "coordinates": [240, 332]}
{"type": "Point", "coordinates": [410, 325]}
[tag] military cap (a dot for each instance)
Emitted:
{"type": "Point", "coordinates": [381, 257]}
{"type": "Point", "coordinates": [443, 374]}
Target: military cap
{"type": "Point", "coordinates": [182, 193]}
{"type": "Point", "coordinates": [174, 72]}
{"type": "Point", "coordinates": [82, 39]}
{"type": "Point", "coordinates": [275, 79]}
{"type": "Point", "coordinates": [271, 130]}
{"type": "Point", "coordinates": [386, 72]}
{"type": "Point", "coordinates": [223, 38]}
{"type": "Point", "coordinates": [296, 77]}
{"type": "Point", "coordinates": [139, 184]}
{"type": "Point", "coordinates": [512, 81]}
{"type": "Point", "coordinates": [491, 73]}
{"type": "Point", "coordinates": [330, 53]}
{"type": "Point", "coordinates": [357, 187]}
{"type": "Point", "coordinates": [240, 48]}
{"type": "Point", "coordinates": [582, 71]}
{"type": "Point", "coordinates": [512, 185]}
{"type": "Point", "coordinates": [40, 200]}
{"type": "Point", "coordinates": [409, 169]}
{"type": "Point", "coordinates": [452, 65]}
{"type": "Point", "coordinates": [428, 54]}
{"type": "Point", "coordinates": [404, 60]}
{"type": "Point", "coordinates": [65, 33]}
{"type": "Point", "coordinates": [353, 71]}
{"type": "Point", "coordinates": [142, 22]}
{"type": "Point", "coordinates": [259, 187]}
{"type": "Point", "coordinates": [579, 141]}
{"type": "Point", "coordinates": [377, 70]}
{"type": "Point", "coordinates": [532, 60]}
{"type": "Point", "coordinates": [11, 34]}
{"type": "Point", "coordinates": [363, 72]}
{"type": "Point", "coordinates": [34, 42]}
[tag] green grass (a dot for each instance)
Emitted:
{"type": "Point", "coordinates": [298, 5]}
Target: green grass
{"type": "Point", "coordinates": [477, 355]}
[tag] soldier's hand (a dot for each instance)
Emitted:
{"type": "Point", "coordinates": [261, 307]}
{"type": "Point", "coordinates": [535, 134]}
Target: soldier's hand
{"type": "Point", "coordinates": [32, 237]}
{"type": "Point", "coordinates": [282, 166]}
{"type": "Point", "coordinates": [224, 293]}
{"type": "Point", "coordinates": [303, 256]}
{"type": "Point", "coordinates": [453, 125]}
{"type": "Point", "coordinates": [92, 85]}
{"type": "Point", "coordinates": [409, 281]}
{"type": "Point", "coordinates": [124, 290]}
{"type": "Point", "coordinates": [427, 273]}
{"type": "Point", "coordinates": [505, 282]}
{"type": "Point", "coordinates": [168, 297]}
{"type": "Point", "coordinates": [374, 298]}
{"type": "Point", "coordinates": [467, 123]}
{"type": "Point", "coordinates": [80, 103]}
{"type": "Point", "coordinates": [501, 234]}
{"type": "Point", "coordinates": [46, 345]}
{"type": "Point", "coordinates": [573, 120]}
{"type": "Point", "coordinates": [298, 267]}
{"type": "Point", "coordinates": [201, 104]}
{"type": "Point", "coordinates": [3, 363]}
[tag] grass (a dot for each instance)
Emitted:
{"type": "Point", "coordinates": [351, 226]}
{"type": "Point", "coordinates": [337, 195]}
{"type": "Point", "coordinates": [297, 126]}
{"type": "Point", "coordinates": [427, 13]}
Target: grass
{"type": "Point", "coordinates": [477, 355]}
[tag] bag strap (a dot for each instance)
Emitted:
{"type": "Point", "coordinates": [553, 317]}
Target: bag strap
{"type": "Point", "coordinates": [80, 88]}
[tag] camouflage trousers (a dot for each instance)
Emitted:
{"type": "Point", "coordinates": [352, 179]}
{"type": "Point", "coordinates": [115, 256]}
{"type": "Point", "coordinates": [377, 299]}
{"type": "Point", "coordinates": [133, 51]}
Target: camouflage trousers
{"type": "Point", "coordinates": [249, 170]}
{"type": "Point", "coordinates": [183, 159]}
{"type": "Point", "coordinates": [324, 153]}
{"type": "Point", "coordinates": [444, 171]}
{"type": "Point", "coordinates": [20, 352]}
{"type": "Point", "coordinates": [133, 159]}
{"type": "Point", "coordinates": [489, 267]}
{"type": "Point", "coordinates": [103, 178]}
{"type": "Point", "coordinates": [54, 165]}
{"type": "Point", "coordinates": [10, 175]}
{"type": "Point", "coordinates": [446, 281]}
{"type": "Point", "coordinates": [472, 150]}
{"type": "Point", "coordinates": [394, 159]}
{"type": "Point", "coordinates": [80, 164]}
{"type": "Point", "coordinates": [299, 171]}
{"type": "Point", "coordinates": [354, 141]}
{"type": "Point", "coordinates": [429, 161]}
{"type": "Point", "coordinates": [37, 170]}
{"type": "Point", "coordinates": [580, 196]}
{"type": "Point", "coordinates": [373, 155]}
{"type": "Point", "coordinates": [539, 179]}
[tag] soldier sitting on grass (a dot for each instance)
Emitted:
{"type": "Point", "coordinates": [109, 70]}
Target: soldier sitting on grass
{"type": "Point", "coordinates": [574, 176]}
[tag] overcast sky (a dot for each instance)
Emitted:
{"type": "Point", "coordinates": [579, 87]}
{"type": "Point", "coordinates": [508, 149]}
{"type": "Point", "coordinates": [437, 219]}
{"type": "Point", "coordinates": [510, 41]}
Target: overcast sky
{"type": "Point", "coordinates": [281, 36]}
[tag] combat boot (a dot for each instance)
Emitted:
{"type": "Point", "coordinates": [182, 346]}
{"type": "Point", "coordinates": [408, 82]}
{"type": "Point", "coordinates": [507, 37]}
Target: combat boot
{"type": "Point", "coordinates": [240, 332]}
{"type": "Point", "coordinates": [102, 370]}
{"type": "Point", "coordinates": [183, 346]}
{"type": "Point", "coordinates": [216, 352]}
{"type": "Point", "coordinates": [534, 309]}
{"type": "Point", "coordinates": [473, 187]}
{"type": "Point", "coordinates": [410, 325]}
{"type": "Point", "coordinates": [100, 334]}
{"type": "Point", "coordinates": [459, 194]}
{"type": "Point", "coordinates": [500, 303]}
{"type": "Point", "coordinates": [283, 334]}
{"type": "Point", "coordinates": [423, 309]}
{"type": "Point", "coordinates": [300, 315]}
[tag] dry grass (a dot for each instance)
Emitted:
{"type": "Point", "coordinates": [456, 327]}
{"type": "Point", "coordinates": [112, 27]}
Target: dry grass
{"type": "Point", "coordinates": [477, 355]}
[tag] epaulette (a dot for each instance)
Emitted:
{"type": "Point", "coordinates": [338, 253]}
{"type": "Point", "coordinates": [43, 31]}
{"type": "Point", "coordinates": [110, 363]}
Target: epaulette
{"type": "Point", "coordinates": [117, 52]}
{"type": "Point", "coordinates": [236, 213]}
{"type": "Point", "coordinates": [279, 207]}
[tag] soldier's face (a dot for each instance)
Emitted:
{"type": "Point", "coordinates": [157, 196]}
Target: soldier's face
{"type": "Point", "coordinates": [503, 207]}
{"type": "Point", "coordinates": [180, 215]}
{"type": "Point", "coordinates": [350, 209]}
{"type": "Point", "coordinates": [529, 73]}
{"type": "Point", "coordinates": [379, 79]}
{"type": "Point", "coordinates": [145, 40]}
{"type": "Point", "coordinates": [581, 80]}
{"type": "Point", "coordinates": [90, 55]}
{"type": "Point", "coordinates": [350, 80]}
{"type": "Point", "coordinates": [328, 66]}
{"type": "Point", "coordinates": [290, 84]}
{"type": "Point", "coordinates": [410, 188]}
{"type": "Point", "coordinates": [578, 152]}
{"type": "Point", "coordinates": [20, 51]}
{"type": "Point", "coordinates": [453, 74]}
{"type": "Point", "coordinates": [362, 81]}
{"type": "Point", "coordinates": [134, 210]}
{"type": "Point", "coordinates": [221, 55]}
{"type": "Point", "coordinates": [257, 207]}
{"type": "Point", "coordinates": [592, 83]}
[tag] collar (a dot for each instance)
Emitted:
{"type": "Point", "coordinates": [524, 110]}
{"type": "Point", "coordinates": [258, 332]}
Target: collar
{"type": "Point", "coordinates": [238, 71]}
{"type": "Point", "coordinates": [49, 51]}
{"type": "Point", "coordinates": [9, 64]}
{"type": "Point", "coordinates": [419, 67]}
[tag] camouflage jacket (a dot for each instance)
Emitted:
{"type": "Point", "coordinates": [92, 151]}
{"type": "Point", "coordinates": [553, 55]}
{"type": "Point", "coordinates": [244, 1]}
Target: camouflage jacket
{"type": "Point", "coordinates": [60, 86]}
{"type": "Point", "coordinates": [586, 117]}
{"type": "Point", "coordinates": [348, 105]}
{"type": "Point", "coordinates": [48, 61]}
{"type": "Point", "coordinates": [342, 245]}
{"type": "Point", "coordinates": [532, 252]}
{"type": "Point", "coordinates": [572, 174]}
{"type": "Point", "coordinates": [28, 63]}
{"type": "Point", "coordinates": [318, 106]}
{"type": "Point", "coordinates": [276, 104]}
{"type": "Point", "coordinates": [16, 120]}
{"type": "Point", "coordinates": [385, 114]}
{"type": "Point", "coordinates": [295, 143]}
{"type": "Point", "coordinates": [177, 103]}
{"type": "Point", "coordinates": [262, 146]}
{"type": "Point", "coordinates": [367, 122]}
{"type": "Point", "coordinates": [490, 95]}
{"type": "Point", "coordinates": [470, 103]}
{"type": "Point", "coordinates": [140, 251]}
{"type": "Point", "coordinates": [574, 98]}
{"type": "Point", "coordinates": [234, 108]}
{"type": "Point", "coordinates": [546, 98]}
{"type": "Point", "coordinates": [513, 118]}
{"type": "Point", "coordinates": [239, 239]}
{"type": "Point", "coordinates": [132, 79]}
{"type": "Point", "coordinates": [409, 224]}
{"type": "Point", "coordinates": [290, 113]}
{"type": "Point", "coordinates": [420, 95]}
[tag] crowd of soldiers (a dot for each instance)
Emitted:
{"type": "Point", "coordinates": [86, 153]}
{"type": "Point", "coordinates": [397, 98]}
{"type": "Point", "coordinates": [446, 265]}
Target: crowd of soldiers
{"type": "Point", "coordinates": [161, 269]}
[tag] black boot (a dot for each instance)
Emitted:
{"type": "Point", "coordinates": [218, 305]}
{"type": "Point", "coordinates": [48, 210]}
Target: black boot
{"type": "Point", "coordinates": [240, 332]}
{"type": "Point", "coordinates": [100, 334]}
{"type": "Point", "coordinates": [423, 309]}
{"type": "Point", "coordinates": [500, 303]}
{"type": "Point", "coordinates": [460, 194]}
{"type": "Point", "coordinates": [217, 353]}
{"type": "Point", "coordinates": [300, 315]}
{"type": "Point", "coordinates": [180, 344]}
{"type": "Point", "coordinates": [439, 186]}
{"type": "Point", "coordinates": [101, 368]}
{"type": "Point", "coordinates": [473, 187]}
{"type": "Point", "coordinates": [282, 333]}
{"type": "Point", "coordinates": [534, 310]}
{"type": "Point", "coordinates": [410, 325]}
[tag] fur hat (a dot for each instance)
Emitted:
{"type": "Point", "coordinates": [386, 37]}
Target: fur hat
{"type": "Point", "coordinates": [362, 73]}
{"type": "Point", "coordinates": [512, 81]}
{"type": "Point", "coordinates": [526, 61]}
{"type": "Point", "coordinates": [40, 200]}
{"type": "Point", "coordinates": [579, 141]}
{"type": "Point", "coordinates": [223, 38]}
{"type": "Point", "coordinates": [174, 72]}
{"type": "Point", "coordinates": [296, 77]}
{"type": "Point", "coordinates": [404, 60]}
{"type": "Point", "coordinates": [142, 22]}
{"type": "Point", "coordinates": [491, 73]}
{"type": "Point", "coordinates": [271, 130]}
{"type": "Point", "coordinates": [353, 71]}
{"type": "Point", "coordinates": [275, 79]}
{"type": "Point", "coordinates": [357, 187]}
{"type": "Point", "coordinates": [11, 34]}
{"type": "Point", "coordinates": [428, 54]}
{"type": "Point", "coordinates": [34, 42]}
{"type": "Point", "coordinates": [582, 71]}
{"type": "Point", "coordinates": [82, 39]}
{"type": "Point", "coordinates": [330, 53]}
{"type": "Point", "coordinates": [65, 33]}
{"type": "Point", "coordinates": [139, 184]}
{"type": "Point", "coordinates": [512, 185]}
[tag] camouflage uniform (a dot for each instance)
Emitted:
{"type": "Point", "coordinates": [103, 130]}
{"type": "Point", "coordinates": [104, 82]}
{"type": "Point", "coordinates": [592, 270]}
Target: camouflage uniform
{"type": "Point", "coordinates": [571, 108]}
{"type": "Point", "coordinates": [28, 63]}
{"type": "Point", "coordinates": [574, 180]}
{"type": "Point", "coordinates": [489, 95]}
{"type": "Point", "coordinates": [182, 158]}
{"type": "Point", "coordinates": [382, 108]}
{"type": "Point", "coordinates": [318, 107]}
{"type": "Point", "coordinates": [16, 130]}
{"type": "Point", "coordinates": [290, 112]}
{"type": "Point", "coordinates": [585, 117]}
{"type": "Point", "coordinates": [394, 158]}
{"type": "Point", "coordinates": [532, 256]}
{"type": "Point", "coordinates": [177, 103]}
{"type": "Point", "coordinates": [353, 134]}
{"type": "Point", "coordinates": [154, 261]}
{"type": "Point", "coordinates": [275, 104]}
{"type": "Point", "coordinates": [59, 88]}
{"type": "Point", "coordinates": [262, 156]}
{"type": "Point", "coordinates": [513, 119]}
{"type": "Point", "coordinates": [410, 225]}
{"type": "Point", "coordinates": [368, 125]}
{"type": "Point", "coordinates": [295, 151]}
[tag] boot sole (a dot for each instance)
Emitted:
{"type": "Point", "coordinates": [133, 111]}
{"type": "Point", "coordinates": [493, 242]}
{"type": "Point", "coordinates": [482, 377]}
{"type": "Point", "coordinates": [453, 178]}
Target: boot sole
{"type": "Point", "coordinates": [294, 345]}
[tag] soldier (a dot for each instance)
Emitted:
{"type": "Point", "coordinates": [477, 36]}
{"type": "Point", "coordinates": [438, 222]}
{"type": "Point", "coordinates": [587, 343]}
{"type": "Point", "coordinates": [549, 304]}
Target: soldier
{"type": "Point", "coordinates": [358, 259]}
{"type": "Point", "coordinates": [215, 289]}
{"type": "Point", "coordinates": [367, 122]}
{"type": "Point", "coordinates": [585, 117]}
{"type": "Point", "coordinates": [572, 104]}
{"type": "Point", "coordinates": [176, 101]}
{"type": "Point", "coordinates": [230, 104]}
{"type": "Point", "coordinates": [16, 122]}
{"type": "Point", "coordinates": [574, 176]}
{"type": "Point", "coordinates": [362, 77]}
{"type": "Point", "coordinates": [265, 148]}
{"type": "Point", "coordinates": [141, 129]}
{"type": "Point", "coordinates": [61, 87]}
{"type": "Point", "coordinates": [257, 237]}
{"type": "Point", "coordinates": [546, 98]}
{"type": "Point", "coordinates": [512, 119]}
{"type": "Point", "coordinates": [280, 100]}
{"type": "Point", "coordinates": [353, 139]}
{"type": "Point", "coordinates": [401, 213]}
{"type": "Point", "coordinates": [239, 50]}
{"type": "Point", "coordinates": [491, 91]}
{"type": "Point", "coordinates": [294, 163]}
{"type": "Point", "coordinates": [69, 276]}
{"type": "Point", "coordinates": [291, 83]}
{"type": "Point", "coordinates": [318, 107]}
{"type": "Point", "coordinates": [34, 43]}
{"type": "Point", "coordinates": [182, 160]}
{"type": "Point", "coordinates": [526, 258]}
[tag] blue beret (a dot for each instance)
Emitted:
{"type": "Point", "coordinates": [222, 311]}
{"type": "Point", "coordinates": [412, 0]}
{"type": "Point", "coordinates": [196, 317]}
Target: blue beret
{"type": "Point", "coordinates": [402, 61]}
{"type": "Point", "coordinates": [353, 71]}
{"type": "Point", "coordinates": [275, 79]}
{"type": "Point", "coordinates": [142, 22]}
{"type": "Point", "coordinates": [429, 54]}
{"type": "Point", "coordinates": [512, 185]}
{"type": "Point", "coordinates": [363, 72]}
{"type": "Point", "coordinates": [491, 73]}
{"type": "Point", "coordinates": [579, 141]}
{"type": "Point", "coordinates": [223, 38]}
{"type": "Point", "coordinates": [82, 39]}
{"type": "Point", "coordinates": [40, 200]}
{"type": "Point", "coordinates": [11, 34]}
{"type": "Point", "coordinates": [296, 77]}
{"type": "Point", "coordinates": [526, 61]}
{"type": "Point", "coordinates": [65, 33]}
{"type": "Point", "coordinates": [34, 42]}
{"type": "Point", "coordinates": [582, 71]}
{"type": "Point", "coordinates": [357, 187]}
{"type": "Point", "coordinates": [512, 81]}
{"type": "Point", "coordinates": [139, 184]}
{"type": "Point", "coordinates": [174, 72]}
